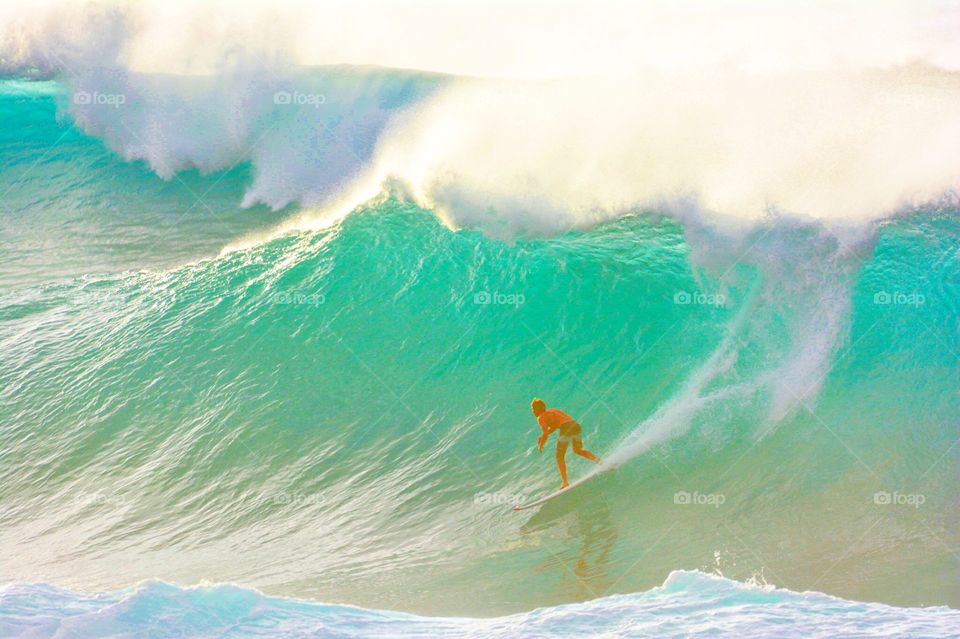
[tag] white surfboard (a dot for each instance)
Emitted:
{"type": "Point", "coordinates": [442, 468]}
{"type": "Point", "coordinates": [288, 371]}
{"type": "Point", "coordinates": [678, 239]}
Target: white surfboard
{"type": "Point", "coordinates": [580, 481]}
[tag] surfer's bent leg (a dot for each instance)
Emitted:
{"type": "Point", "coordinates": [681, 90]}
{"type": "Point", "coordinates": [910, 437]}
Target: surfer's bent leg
{"type": "Point", "coordinates": [561, 463]}
{"type": "Point", "coordinates": [583, 452]}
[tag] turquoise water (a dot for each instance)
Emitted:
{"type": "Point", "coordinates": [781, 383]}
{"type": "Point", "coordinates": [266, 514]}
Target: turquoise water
{"type": "Point", "coordinates": [342, 414]}
{"type": "Point", "coordinates": [687, 603]}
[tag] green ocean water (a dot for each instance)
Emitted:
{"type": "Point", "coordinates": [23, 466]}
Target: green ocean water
{"type": "Point", "coordinates": [343, 414]}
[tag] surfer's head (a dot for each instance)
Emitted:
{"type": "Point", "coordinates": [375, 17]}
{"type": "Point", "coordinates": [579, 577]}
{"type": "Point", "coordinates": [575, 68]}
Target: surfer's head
{"type": "Point", "coordinates": [537, 406]}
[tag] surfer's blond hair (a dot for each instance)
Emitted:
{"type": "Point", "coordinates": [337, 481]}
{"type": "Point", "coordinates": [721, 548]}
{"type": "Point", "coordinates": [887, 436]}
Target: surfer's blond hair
{"type": "Point", "coordinates": [538, 405]}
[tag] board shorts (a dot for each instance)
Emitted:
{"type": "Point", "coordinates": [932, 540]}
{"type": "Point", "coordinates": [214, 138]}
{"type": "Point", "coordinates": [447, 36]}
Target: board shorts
{"type": "Point", "coordinates": [569, 439]}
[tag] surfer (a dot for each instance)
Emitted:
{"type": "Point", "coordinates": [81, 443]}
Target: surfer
{"type": "Point", "coordinates": [569, 432]}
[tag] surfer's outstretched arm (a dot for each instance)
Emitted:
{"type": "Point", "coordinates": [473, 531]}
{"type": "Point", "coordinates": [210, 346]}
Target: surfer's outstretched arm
{"type": "Point", "coordinates": [544, 436]}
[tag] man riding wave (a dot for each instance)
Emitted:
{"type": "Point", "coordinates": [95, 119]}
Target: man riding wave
{"type": "Point", "coordinates": [569, 432]}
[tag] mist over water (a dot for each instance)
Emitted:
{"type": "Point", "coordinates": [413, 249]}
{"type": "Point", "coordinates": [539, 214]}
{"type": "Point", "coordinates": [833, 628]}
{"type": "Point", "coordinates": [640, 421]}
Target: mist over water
{"type": "Point", "coordinates": [848, 131]}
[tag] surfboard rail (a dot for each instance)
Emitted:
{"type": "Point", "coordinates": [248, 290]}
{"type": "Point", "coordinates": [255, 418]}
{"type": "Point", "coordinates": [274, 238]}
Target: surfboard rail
{"type": "Point", "coordinates": [553, 495]}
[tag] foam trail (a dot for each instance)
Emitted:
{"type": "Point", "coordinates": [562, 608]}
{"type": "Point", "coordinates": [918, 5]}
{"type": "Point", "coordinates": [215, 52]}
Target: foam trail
{"type": "Point", "coordinates": [809, 282]}
{"type": "Point", "coordinates": [674, 417]}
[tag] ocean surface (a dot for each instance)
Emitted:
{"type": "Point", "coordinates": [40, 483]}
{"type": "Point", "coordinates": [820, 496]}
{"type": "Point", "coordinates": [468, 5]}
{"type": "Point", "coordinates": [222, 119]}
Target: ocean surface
{"type": "Point", "coordinates": [687, 604]}
{"type": "Point", "coordinates": [196, 391]}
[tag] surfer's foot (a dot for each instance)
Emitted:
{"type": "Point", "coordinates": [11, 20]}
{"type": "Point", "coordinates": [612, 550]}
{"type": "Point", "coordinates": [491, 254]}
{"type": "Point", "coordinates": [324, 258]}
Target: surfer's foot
{"type": "Point", "coordinates": [564, 485]}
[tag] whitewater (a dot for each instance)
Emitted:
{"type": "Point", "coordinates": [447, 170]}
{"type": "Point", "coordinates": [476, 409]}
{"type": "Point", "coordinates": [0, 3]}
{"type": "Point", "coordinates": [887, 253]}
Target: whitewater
{"type": "Point", "coordinates": [687, 603]}
{"type": "Point", "coordinates": [274, 302]}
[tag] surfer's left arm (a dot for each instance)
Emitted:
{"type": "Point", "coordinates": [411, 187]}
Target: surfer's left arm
{"type": "Point", "coordinates": [544, 435]}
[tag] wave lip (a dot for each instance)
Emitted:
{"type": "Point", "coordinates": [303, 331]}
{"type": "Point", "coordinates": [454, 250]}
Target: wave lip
{"type": "Point", "coordinates": [743, 138]}
{"type": "Point", "coordinates": [689, 602]}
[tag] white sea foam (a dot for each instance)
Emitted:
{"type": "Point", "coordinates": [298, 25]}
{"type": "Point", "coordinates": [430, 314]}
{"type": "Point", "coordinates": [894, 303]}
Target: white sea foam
{"type": "Point", "coordinates": [579, 115]}
{"type": "Point", "coordinates": [688, 603]}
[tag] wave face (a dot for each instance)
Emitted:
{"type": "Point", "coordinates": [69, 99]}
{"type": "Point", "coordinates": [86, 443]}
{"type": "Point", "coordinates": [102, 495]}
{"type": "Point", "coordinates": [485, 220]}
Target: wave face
{"type": "Point", "coordinates": [344, 412]}
{"type": "Point", "coordinates": [688, 602]}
